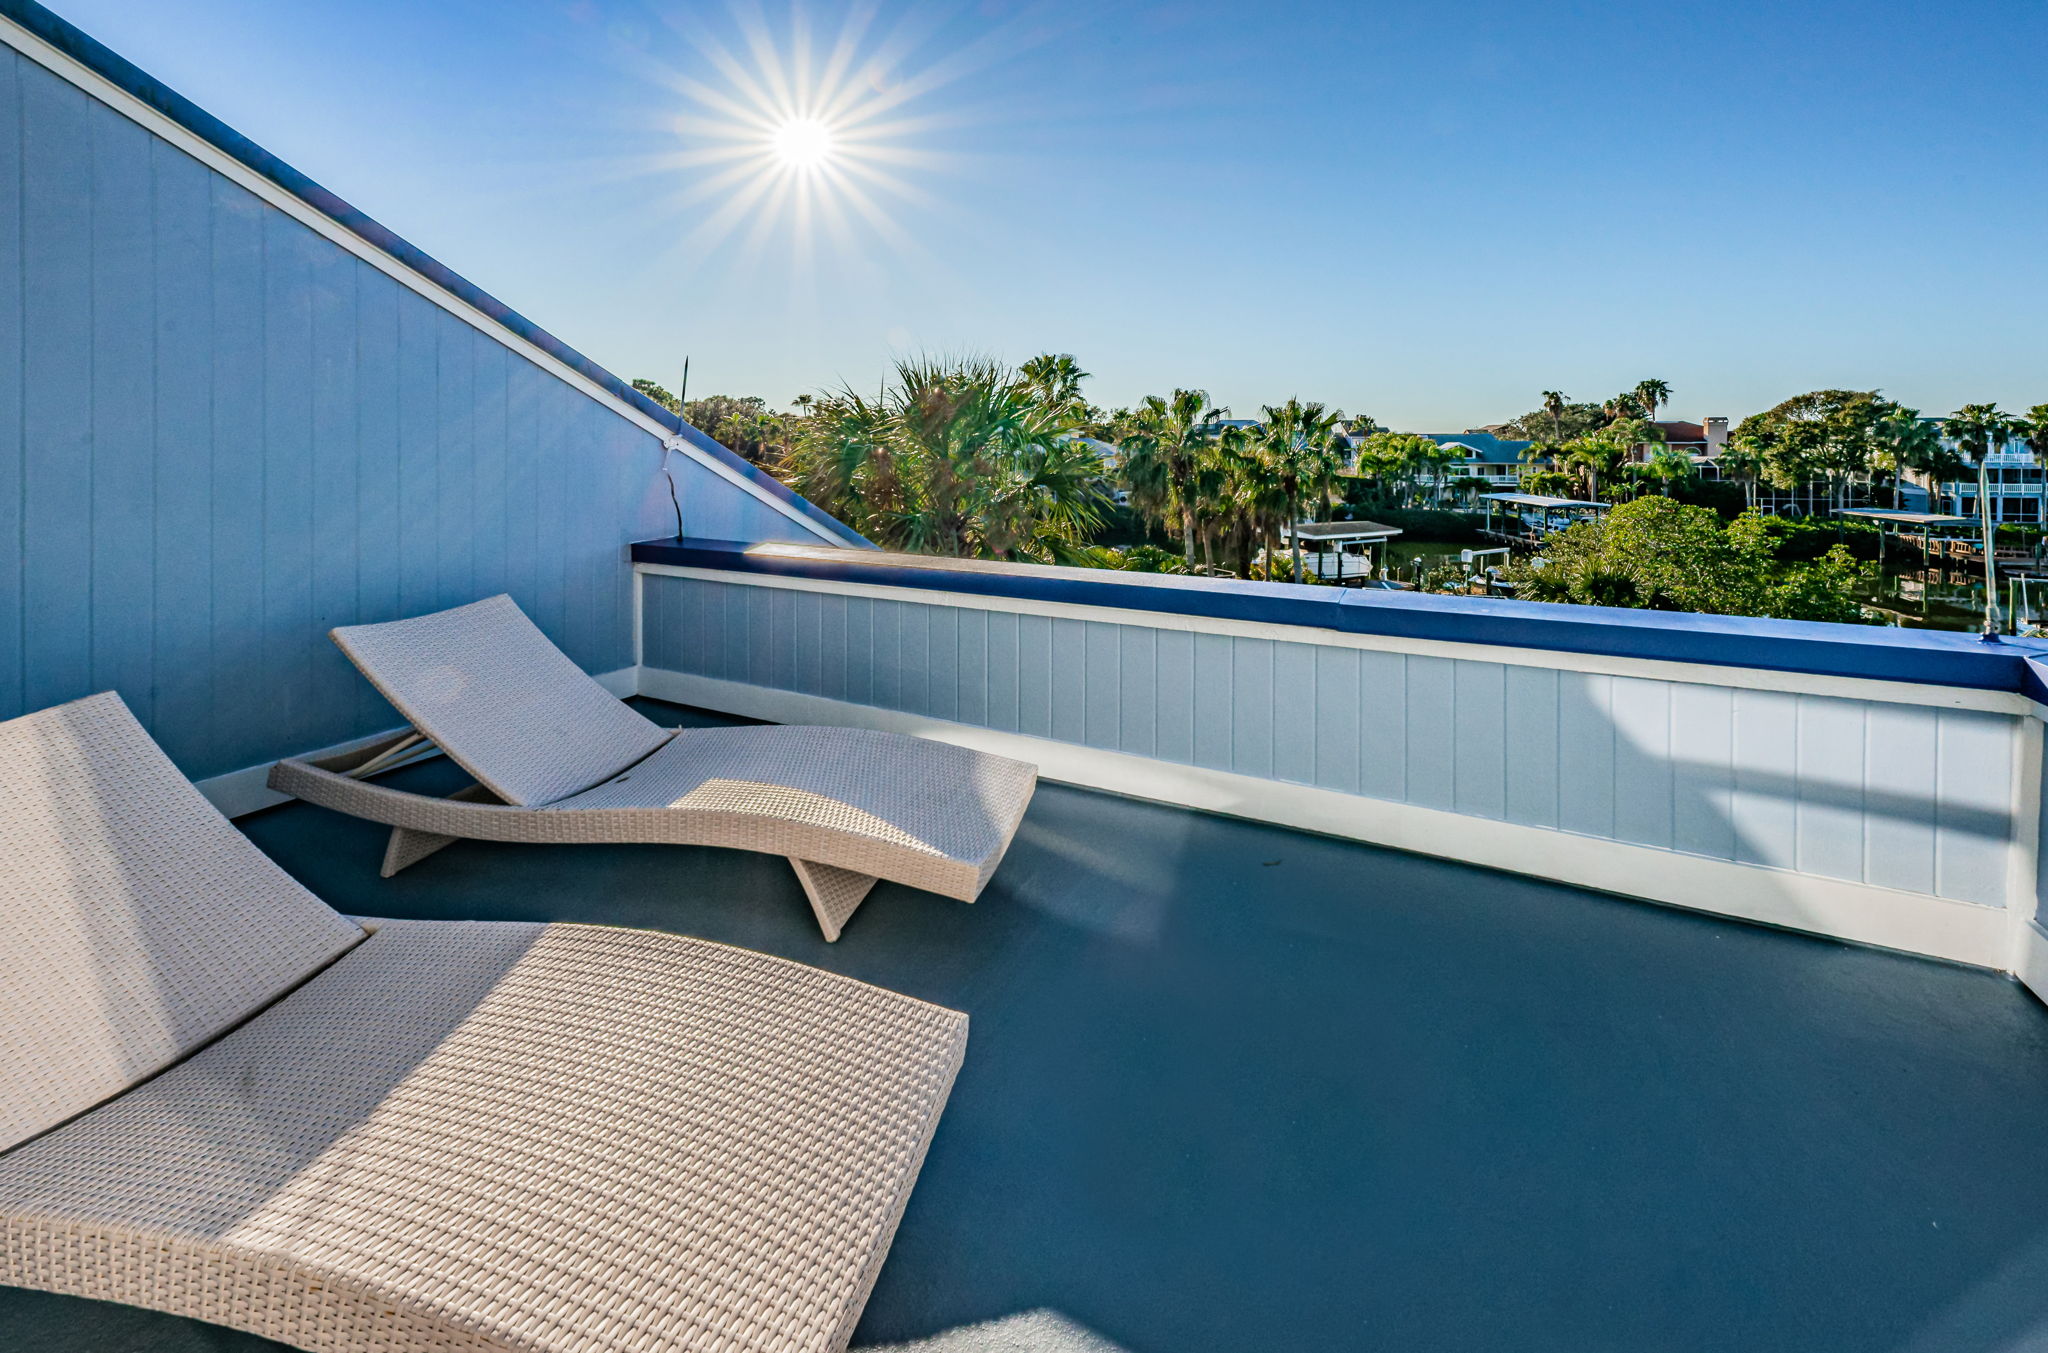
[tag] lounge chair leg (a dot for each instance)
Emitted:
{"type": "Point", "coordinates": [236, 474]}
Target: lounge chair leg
{"type": "Point", "coordinates": [410, 847]}
{"type": "Point", "coordinates": [834, 893]}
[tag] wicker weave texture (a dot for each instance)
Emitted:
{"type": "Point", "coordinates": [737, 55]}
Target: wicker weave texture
{"type": "Point", "coordinates": [501, 1136]}
{"type": "Point", "coordinates": [135, 923]}
{"type": "Point", "coordinates": [485, 684]}
{"type": "Point", "coordinates": [926, 814]}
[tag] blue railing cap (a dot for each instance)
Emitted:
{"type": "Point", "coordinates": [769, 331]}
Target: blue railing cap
{"type": "Point", "coordinates": [1927, 656]}
{"type": "Point", "coordinates": [104, 62]}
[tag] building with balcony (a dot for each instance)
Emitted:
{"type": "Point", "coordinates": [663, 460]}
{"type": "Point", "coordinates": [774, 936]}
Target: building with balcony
{"type": "Point", "coordinates": [1372, 969]}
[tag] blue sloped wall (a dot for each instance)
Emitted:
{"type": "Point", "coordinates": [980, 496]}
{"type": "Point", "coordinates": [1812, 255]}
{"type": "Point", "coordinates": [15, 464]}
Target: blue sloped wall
{"type": "Point", "coordinates": [222, 434]}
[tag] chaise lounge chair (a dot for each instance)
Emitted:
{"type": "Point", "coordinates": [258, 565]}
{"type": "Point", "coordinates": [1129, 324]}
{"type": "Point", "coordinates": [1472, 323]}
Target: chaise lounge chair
{"type": "Point", "coordinates": [221, 1099]}
{"type": "Point", "coordinates": [557, 759]}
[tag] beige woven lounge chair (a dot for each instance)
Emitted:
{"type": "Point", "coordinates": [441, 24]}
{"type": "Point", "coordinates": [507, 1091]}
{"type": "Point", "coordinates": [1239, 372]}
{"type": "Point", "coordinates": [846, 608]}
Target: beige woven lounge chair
{"type": "Point", "coordinates": [557, 759]}
{"type": "Point", "coordinates": [221, 1099]}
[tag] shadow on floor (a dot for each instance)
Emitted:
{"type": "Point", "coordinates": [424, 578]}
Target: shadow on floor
{"type": "Point", "coordinates": [1234, 1088]}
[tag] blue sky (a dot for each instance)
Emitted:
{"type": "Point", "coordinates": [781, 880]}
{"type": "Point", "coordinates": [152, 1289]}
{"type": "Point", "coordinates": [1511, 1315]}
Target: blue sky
{"type": "Point", "coordinates": [1428, 212]}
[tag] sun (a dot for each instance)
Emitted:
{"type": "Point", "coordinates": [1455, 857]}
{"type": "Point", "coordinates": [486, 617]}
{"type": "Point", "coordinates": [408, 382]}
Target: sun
{"type": "Point", "coordinates": [804, 142]}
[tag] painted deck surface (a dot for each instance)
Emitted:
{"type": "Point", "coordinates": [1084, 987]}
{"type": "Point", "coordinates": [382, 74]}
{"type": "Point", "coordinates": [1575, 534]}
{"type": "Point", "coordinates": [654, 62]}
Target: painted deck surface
{"type": "Point", "coordinates": [1234, 1088]}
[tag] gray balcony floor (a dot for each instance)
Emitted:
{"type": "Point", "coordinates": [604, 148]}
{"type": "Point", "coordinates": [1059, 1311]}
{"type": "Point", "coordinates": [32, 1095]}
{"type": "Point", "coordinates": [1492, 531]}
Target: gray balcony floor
{"type": "Point", "coordinates": [1233, 1088]}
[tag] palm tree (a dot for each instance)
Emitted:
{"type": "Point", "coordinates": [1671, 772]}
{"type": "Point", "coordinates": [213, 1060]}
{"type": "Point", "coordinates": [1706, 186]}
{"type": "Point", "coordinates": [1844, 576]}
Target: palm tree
{"type": "Point", "coordinates": [2034, 428]}
{"type": "Point", "coordinates": [1911, 443]}
{"type": "Point", "coordinates": [1592, 457]}
{"type": "Point", "coordinates": [1741, 461]}
{"type": "Point", "coordinates": [1169, 434]}
{"type": "Point", "coordinates": [1667, 466]}
{"type": "Point", "coordinates": [1054, 378]}
{"type": "Point", "coordinates": [1299, 444]}
{"type": "Point", "coordinates": [1554, 404]}
{"type": "Point", "coordinates": [1650, 394]}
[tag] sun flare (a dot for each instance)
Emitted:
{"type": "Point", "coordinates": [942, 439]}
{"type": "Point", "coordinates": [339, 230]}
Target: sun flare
{"type": "Point", "coordinates": [804, 142]}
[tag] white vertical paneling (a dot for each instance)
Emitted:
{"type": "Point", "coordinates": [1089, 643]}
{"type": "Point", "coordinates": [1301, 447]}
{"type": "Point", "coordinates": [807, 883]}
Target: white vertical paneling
{"type": "Point", "coordinates": [1479, 746]}
{"type": "Point", "coordinates": [1336, 718]}
{"type": "Point", "coordinates": [1173, 710]}
{"type": "Point", "coordinates": [1034, 675]}
{"type": "Point", "coordinates": [942, 661]}
{"type": "Point", "coordinates": [1765, 796]}
{"type": "Point", "coordinates": [1530, 746]}
{"type": "Point", "coordinates": [1070, 680]}
{"type": "Point", "coordinates": [1294, 713]}
{"type": "Point", "coordinates": [1702, 770]}
{"type": "Point", "coordinates": [1830, 769]}
{"type": "Point", "coordinates": [1103, 681]}
{"type": "Point", "coordinates": [1642, 760]}
{"type": "Point", "coordinates": [1251, 706]}
{"type": "Point", "coordinates": [1899, 758]}
{"type": "Point", "coordinates": [1137, 702]}
{"type": "Point", "coordinates": [970, 646]}
{"type": "Point", "coordinates": [1212, 681]}
{"type": "Point", "coordinates": [1430, 716]}
{"type": "Point", "coordinates": [1585, 753]}
{"type": "Point", "coordinates": [1383, 725]}
{"type": "Point", "coordinates": [1973, 820]}
{"type": "Point", "coordinates": [1004, 670]}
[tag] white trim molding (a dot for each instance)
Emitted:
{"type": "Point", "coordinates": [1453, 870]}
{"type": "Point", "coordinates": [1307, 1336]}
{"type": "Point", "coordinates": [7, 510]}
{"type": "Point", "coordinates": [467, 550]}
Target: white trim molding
{"type": "Point", "coordinates": [1912, 922]}
{"type": "Point", "coordinates": [135, 110]}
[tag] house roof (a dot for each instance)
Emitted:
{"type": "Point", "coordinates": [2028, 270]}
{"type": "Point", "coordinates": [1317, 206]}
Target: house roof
{"type": "Point", "coordinates": [1538, 500]}
{"type": "Point", "coordinates": [1340, 530]}
{"type": "Point", "coordinates": [1484, 446]}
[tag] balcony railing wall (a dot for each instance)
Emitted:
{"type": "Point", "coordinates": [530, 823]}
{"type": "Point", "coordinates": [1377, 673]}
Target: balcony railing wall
{"type": "Point", "coordinates": [1899, 813]}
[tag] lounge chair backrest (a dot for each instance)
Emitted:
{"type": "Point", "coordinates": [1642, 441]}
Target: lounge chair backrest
{"type": "Point", "coordinates": [135, 922]}
{"type": "Point", "coordinates": [486, 685]}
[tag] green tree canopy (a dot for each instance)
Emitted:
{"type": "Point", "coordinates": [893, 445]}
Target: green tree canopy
{"type": "Point", "coordinates": [1660, 554]}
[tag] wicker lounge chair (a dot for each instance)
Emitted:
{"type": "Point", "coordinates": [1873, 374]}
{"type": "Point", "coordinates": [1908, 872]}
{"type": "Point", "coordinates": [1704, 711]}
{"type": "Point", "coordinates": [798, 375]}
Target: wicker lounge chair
{"type": "Point", "coordinates": [557, 759]}
{"type": "Point", "coordinates": [221, 1099]}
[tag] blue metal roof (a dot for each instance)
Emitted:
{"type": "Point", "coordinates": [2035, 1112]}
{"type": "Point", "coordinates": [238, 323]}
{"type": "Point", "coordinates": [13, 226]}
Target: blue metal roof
{"type": "Point", "coordinates": [1484, 445]}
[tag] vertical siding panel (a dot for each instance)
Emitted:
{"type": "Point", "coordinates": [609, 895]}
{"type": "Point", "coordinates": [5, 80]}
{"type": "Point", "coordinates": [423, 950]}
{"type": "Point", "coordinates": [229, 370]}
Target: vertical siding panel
{"type": "Point", "coordinates": [914, 656]}
{"type": "Point", "coordinates": [56, 529]}
{"type": "Point", "coordinates": [1430, 723]}
{"type": "Point", "coordinates": [1251, 706]}
{"type": "Point", "coordinates": [888, 657]}
{"type": "Point", "coordinates": [1973, 815]}
{"type": "Point", "coordinates": [1336, 719]}
{"type": "Point", "coordinates": [1002, 670]}
{"type": "Point", "coordinates": [1830, 769]}
{"type": "Point", "coordinates": [455, 479]}
{"type": "Point", "coordinates": [942, 655]}
{"type": "Point", "coordinates": [123, 399]}
{"type": "Point", "coordinates": [860, 650]}
{"type": "Point", "coordinates": [734, 640]}
{"type": "Point", "coordinates": [807, 671]}
{"type": "Point", "coordinates": [1585, 753]}
{"type": "Point", "coordinates": [419, 451]}
{"type": "Point", "coordinates": [378, 475]}
{"type": "Point", "coordinates": [1070, 680]}
{"type": "Point", "coordinates": [1102, 679]}
{"type": "Point", "coordinates": [238, 470]}
{"type": "Point", "coordinates": [1530, 694]}
{"type": "Point", "coordinates": [1702, 770]}
{"type": "Point", "coordinates": [289, 635]}
{"type": "Point", "coordinates": [1479, 741]}
{"type": "Point", "coordinates": [1899, 767]}
{"type": "Point", "coordinates": [970, 663]}
{"type": "Point", "coordinates": [1034, 675]}
{"type": "Point", "coordinates": [521, 470]}
{"type": "Point", "coordinates": [1642, 761]}
{"type": "Point", "coordinates": [1173, 704]}
{"type": "Point", "coordinates": [335, 398]}
{"type": "Point", "coordinates": [786, 636]}
{"type": "Point", "coordinates": [12, 359]}
{"type": "Point", "coordinates": [1137, 703]}
{"type": "Point", "coordinates": [764, 634]}
{"type": "Point", "coordinates": [832, 646]}
{"type": "Point", "coordinates": [490, 476]}
{"type": "Point", "coordinates": [1383, 724]}
{"type": "Point", "coordinates": [1213, 700]}
{"type": "Point", "coordinates": [1764, 801]}
{"type": "Point", "coordinates": [183, 607]}
{"type": "Point", "coordinates": [1294, 713]}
